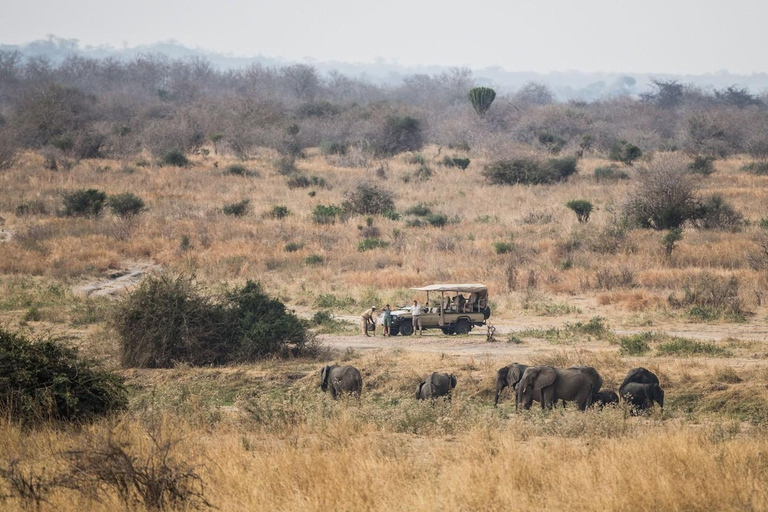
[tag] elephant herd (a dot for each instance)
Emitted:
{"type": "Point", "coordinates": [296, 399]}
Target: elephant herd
{"type": "Point", "coordinates": [543, 384]}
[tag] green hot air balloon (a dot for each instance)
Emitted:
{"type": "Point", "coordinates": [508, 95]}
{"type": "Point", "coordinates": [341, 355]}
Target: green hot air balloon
{"type": "Point", "coordinates": [481, 98]}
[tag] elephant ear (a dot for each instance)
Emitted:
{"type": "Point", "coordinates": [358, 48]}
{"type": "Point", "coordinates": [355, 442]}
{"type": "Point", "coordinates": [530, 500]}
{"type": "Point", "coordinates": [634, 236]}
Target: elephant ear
{"type": "Point", "coordinates": [546, 377]}
{"type": "Point", "coordinates": [418, 390]}
{"type": "Point", "coordinates": [454, 381]}
{"type": "Point", "coordinates": [324, 373]}
{"type": "Point", "coordinates": [515, 375]}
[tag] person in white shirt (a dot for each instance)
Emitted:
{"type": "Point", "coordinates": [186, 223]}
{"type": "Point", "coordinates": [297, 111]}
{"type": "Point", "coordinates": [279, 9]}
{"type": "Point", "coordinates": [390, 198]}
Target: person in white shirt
{"type": "Point", "coordinates": [416, 315]}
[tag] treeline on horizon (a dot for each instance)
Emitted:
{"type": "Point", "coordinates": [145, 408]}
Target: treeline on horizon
{"type": "Point", "coordinates": [110, 108]}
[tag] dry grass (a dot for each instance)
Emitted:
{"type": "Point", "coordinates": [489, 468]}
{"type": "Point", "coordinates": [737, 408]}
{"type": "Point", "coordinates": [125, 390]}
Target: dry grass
{"type": "Point", "coordinates": [263, 437]}
{"type": "Point", "coordinates": [287, 446]}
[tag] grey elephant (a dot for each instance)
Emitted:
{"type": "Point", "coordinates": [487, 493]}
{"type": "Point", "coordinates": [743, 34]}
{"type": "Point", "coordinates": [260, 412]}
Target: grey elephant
{"type": "Point", "coordinates": [603, 398]}
{"type": "Point", "coordinates": [510, 375]}
{"type": "Point", "coordinates": [594, 376]}
{"type": "Point", "coordinates": [436, 385]}
{"type": "Point", "coordinates": [640, 376]}
{"type": "Point", "coordinates": [642, 395]}
{"type": "Point", "coordinates": [341, 379]}
{"type": "Point", "coordinates": [572, 384]}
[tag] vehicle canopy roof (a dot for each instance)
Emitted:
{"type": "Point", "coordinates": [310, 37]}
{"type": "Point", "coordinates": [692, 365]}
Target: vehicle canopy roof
{"type": "Point", "coordinates": [468, 288]}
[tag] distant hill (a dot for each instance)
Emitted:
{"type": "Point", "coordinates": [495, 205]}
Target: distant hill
{"type": "Point", "coordinates": [567, 85]}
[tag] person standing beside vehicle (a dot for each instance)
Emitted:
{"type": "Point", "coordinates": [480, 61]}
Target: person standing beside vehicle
{"type": "Point", "coordinates": [387, 320]}
{"type": "Point", "coordinates": [416, 315]}
{"type": "Point", "coordinates": [366, 320]}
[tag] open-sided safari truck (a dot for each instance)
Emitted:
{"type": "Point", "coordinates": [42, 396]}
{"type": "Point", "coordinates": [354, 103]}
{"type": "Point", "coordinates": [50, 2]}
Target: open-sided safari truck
{"type": "Point", "coordinates": [453, 308]}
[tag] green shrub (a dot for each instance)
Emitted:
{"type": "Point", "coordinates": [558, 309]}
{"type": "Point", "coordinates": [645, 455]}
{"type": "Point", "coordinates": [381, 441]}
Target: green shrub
{"type": "Point", "coordinates": [171, 320]}
{"type": "Point", "coordinates": [367, 199]}
{"type": "Point", "coordinates": [716, 213]}
{"type": "Point", "coordinates": [581, 208]}
{"type": "Point", "coordinates": [702, 165]}
{"type": "Point", "coordinates": [625, 152]}
{"type": "Point", "coordinates": [300, 180]}
{"type": "Point", "coordinates": [437, 220]}
{"type": "Point", "coordinates": [391, 215]}
{"type": "Point", "coordinates": [125, 205]}
{"type": "Point", "coordinates": [461, 163]}
{"type": "Point", "coordinates": [553, 143]}
{"type": "Point", "coordinates": [530, 172]}
{"type": "Point", "coordinates": [237, 209]}
{"type": "Point", "coordinates": [84, 203]}
{"type": "Point", "coordinates": [711, 296]}
{"type": "Point", "coordinates": [368, 244]}
{"type": "Point", "coordinates": [278, 211]}
{"type": "Point", "coordinates": [610, 173]}
{"type": "Point", "coordinates": [314, 259]}
{"type": "Point", "coordinates": [635, 345]}
{"type": "Point", "coordinates": [31, 208]}
{"type": "Point", "coordinates": [503, 247]}
{"type": "Point", "coordinates": [44, 380]}
{"type": "Point", "coordinates": [294, 246]}
{"type": "Point", "coordinates": [323, 214]}
{"type": "Point", "coordinates": [175, 158]}
{"type": "Point", "coordinates": [757, 168]}
{"type": "Point", "coordinates": [673, 236]}
{"type": "Point", "coordinates": [419, 210]}
{"type": "Point", "coordinates": [689, 347]}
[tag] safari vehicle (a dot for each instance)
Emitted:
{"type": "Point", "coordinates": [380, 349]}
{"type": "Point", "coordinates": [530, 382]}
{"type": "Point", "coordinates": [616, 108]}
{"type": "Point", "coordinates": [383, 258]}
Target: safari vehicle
{"type": "Point", "coordinates": [453, 308]}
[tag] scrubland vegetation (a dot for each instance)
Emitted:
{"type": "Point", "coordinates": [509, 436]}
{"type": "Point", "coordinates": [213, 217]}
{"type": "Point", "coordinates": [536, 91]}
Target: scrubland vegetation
{"type": "Point", "coordinates": [620, 233]}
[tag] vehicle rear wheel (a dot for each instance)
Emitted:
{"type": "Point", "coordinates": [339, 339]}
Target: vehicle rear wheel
{"type": "Point", "coordinates": [447, 331]}
{"type": "Point", "coordinates": [462, 327]}
{"type": "Point", "coordinates": [406, 329]}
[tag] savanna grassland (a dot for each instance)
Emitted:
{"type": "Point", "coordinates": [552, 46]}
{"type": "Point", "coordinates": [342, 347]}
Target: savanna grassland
{"type": "Point", "coordinates": [264, 437]}
{"type": "Point", "coordinates": [337, 195]}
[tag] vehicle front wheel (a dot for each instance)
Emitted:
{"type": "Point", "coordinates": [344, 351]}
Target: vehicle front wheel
{"type": "Point", "coordinates": [406, 329]}
{"type": "Point", "coordinates": [462, 327]}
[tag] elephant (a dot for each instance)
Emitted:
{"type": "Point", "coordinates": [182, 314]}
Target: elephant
{"type": "Point", "coordinates": [642, 395]}
{"type": "Point", "coordinates": [603, 398]}
{"type": "Point", "coordinates": [639, 375]}
{"type": "Point", "coordinates": [597, 380]}
{"type": "Point", "coordinates": [510, 375]}
{"type": "Point", "coordinates": [436, 385]}
{"type": "Point", "coordinates": [341, 379]}
{"type": "Point", "coordinates": [572, 384]}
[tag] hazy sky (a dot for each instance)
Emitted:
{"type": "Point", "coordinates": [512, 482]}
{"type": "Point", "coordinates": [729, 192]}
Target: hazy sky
{"type": "Point", "coordinates": [674, 36]}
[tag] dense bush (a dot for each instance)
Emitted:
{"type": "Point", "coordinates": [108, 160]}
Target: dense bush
{"type": "Point", "coordinates": [625, 153]}
{"type": "Point", "coordinates": [175, 158]}
{"type": "Point", "coordinates": [293, 247]}
{"type": "Point", "coordinates": [278, 211]}
{"type": "Point", "coordinates": [709, 296]}
{"type": "Point", "coordinates": [503, 247]}
{"type": "Point", "coordinates": [84, 203]}
{"type": "Point", "coordinates": [368, 244]}
{"type": "Point", "coordinates": [43, 380]}
{"type": "Point", "coordinates": [169, 320]}
{"type": "Point", "coordinates": [636, 344]}
{"type": "Point", "coordinates": [610, 173]}
{"type": "Point", "coordinates": [125, 205]}
{"type": "Point", "coordinates": [367, 199]}
{"type": "Point", "coordinates": [461, 163]}
{"type": "Point", "coordinates": [530, 172]}
{"type": "Point", "coordinates": [398, 133]}
{"type": "Point", "coordinates": [241, 170]}
{"type": "Point", "coordinates": [237, 209]}
{"type": "Point", "coordinates": [665, 197]}
{"type": "Point", "coordinates": [702, 165]}
{"type": "Point", "coordinates": [299, 180]}
{"type": "Point", "coordinates": [419, 210]}
{"type": "Point", "coordinates": [437, 220]}
{"type": "Point", "coordinates": [323, 214]}
{"type": "Point", "coordinates": [716, 213]}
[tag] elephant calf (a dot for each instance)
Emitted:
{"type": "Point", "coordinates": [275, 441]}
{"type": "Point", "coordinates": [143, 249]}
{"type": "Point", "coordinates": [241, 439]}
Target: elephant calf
{"type": "Point", "coordinates": [640, 376]}
{"type": "Point", "coordinates": [341, 379]}
{"type": "Point", "coordinates": [603, 398]}
{"type": "Point", "coordinates": [436, 385]}
{"type": "Point", "coordinates": [642, 396]}
{"type": "Point", "coordinates": [510, 375]}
